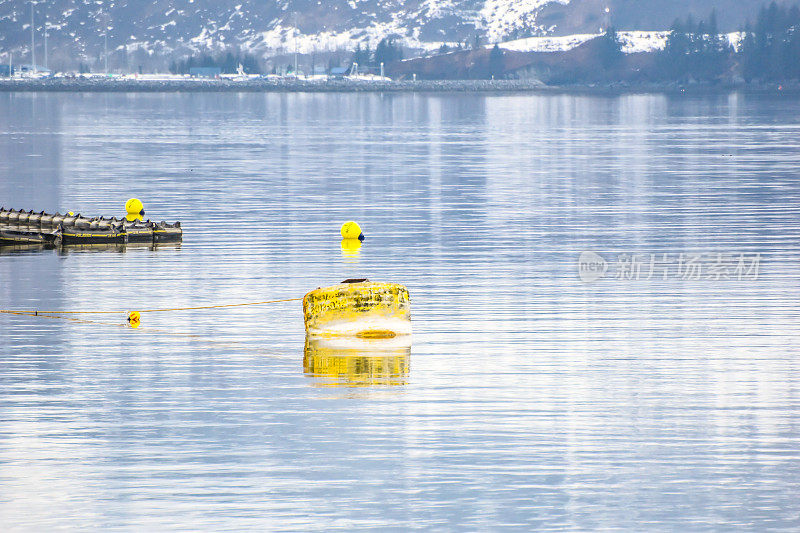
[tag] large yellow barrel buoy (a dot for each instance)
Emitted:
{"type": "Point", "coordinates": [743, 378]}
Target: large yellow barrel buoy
{"type": "Point", "coordinates": [134, 210]}
{"type": "Point", "coordinates": [358, 308]}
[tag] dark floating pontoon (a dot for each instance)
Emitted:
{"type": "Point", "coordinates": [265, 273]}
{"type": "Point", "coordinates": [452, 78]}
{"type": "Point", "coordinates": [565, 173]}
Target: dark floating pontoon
{"type": "Point", "coordinates": [27, 227]}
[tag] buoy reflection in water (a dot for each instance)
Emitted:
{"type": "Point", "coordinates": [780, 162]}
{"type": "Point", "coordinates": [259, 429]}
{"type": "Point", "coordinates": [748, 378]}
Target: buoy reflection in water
{"type": "Point", "coordinates": [351, 248]}
{"type": "Point", "coordinates": [353, 362]}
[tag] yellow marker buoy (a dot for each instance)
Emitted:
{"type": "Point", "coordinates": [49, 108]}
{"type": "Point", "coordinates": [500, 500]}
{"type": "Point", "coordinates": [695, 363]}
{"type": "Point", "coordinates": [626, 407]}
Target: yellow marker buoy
{"type": "Point", "coordinates": [134, 319]}
{"type": "Point", "coordinates": [134, 207]}
{"type": "Point", "coordinates": [351, 230]}
{"type": "Point", "coordinates": [134, 210]}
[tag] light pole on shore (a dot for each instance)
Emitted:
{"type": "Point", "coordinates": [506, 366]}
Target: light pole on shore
{"type": "Point", "coordinates": [295, 43]}
{"type": "Point", "coordinates": [104, 19]}
{"type": "Point", "coordinates": [33, 41]}
{"type": "Point", "coordinates": [45, 35]}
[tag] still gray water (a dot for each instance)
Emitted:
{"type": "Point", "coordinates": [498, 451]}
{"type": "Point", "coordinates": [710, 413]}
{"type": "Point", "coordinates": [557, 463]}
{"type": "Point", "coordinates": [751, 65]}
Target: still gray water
{"type": "Point", "coordinates": [604, 299]}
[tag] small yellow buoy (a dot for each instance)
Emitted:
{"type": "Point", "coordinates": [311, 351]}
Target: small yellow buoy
{"type": "Point", "coordinates": [134, 207]}
{"type": "Point", "coordinates": [351, 230]}
{"type": "Point", "coordinates": [134, 210]}
{"type": "Point", "coordinates": [134, 319]}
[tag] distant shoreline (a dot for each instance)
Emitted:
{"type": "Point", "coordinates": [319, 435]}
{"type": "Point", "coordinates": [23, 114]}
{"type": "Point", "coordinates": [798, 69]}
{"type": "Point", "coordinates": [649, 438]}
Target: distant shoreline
{"type": "Point", "coordinates": [348, 86]}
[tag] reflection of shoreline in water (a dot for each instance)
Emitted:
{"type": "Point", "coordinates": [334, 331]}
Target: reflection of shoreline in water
{"type": "Point", "coordinates": [354, 362]}
{"type": "Point", "coordinates": [70, 248]}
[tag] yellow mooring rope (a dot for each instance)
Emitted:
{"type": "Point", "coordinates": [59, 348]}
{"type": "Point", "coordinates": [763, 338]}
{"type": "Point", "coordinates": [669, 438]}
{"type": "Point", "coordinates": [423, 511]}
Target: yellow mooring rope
{"type": "Point", "coordinates": [71, 319]}
{"type": "Point", "coordinates": [133, 317]}
{"type": "Point", "coordinates": [40, 313]}
{"type": "Point", "coordinates": [128, 324]}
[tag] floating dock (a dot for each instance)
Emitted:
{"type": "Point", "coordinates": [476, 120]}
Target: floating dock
{"type": "Point", "coordinates": [29, 227]}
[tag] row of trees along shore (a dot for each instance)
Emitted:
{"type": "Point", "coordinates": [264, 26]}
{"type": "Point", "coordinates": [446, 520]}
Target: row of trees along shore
{"type": "Point", "coordinates": [385, 52]}
{"type": "Point", "coordinates": [768, 51]}
{"type": "Point", "coordinates": [771, 49]}
{"type": "Point", "coordinates": [228, 63]}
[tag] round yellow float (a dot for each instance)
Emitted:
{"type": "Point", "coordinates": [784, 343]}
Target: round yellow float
{"type": "Point", "coordinates": [134, 319]}
{"type": "Point", "coordinates": [134, 210]}
{"type": "Point", "coordinates": [351, 230]}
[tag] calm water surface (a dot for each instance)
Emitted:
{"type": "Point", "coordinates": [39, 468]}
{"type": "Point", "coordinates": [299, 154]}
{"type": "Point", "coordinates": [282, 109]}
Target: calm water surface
{"type": "Point", "coordinates": [664, 395]}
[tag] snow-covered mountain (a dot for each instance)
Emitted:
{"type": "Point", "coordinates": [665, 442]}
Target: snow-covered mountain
{"type": "Point", "coordinates": [137, 31]}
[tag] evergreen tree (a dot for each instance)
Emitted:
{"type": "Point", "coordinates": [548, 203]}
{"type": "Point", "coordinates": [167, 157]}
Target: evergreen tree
{"type": "Point", "coordinates": [695, 51]}
{"type": "Point", "coordinates": [676, 52]}
{"type": "Point", "coordinates": [496, 62]}
{"type": "Point", "coordinates": [229, 63]}
{"type": "Point", "coordinates": [747, 53]}
{"type": "Point", "coordinates": [714, 51]}
{"type": "Point", "coordinates": [792, 54]}
{"type": "Point", "coordinates": [770, 50]}
{"type": "Point", "coordinates": [381, 52]}
{"type": "Point", "coordinates": [610, 50]}
{"type": "Point", "coordinates": [250, 64]}
{"type": "Point", "coordinates": [387, 51]}
{"type": "Point", "coordinates": [361, 56]}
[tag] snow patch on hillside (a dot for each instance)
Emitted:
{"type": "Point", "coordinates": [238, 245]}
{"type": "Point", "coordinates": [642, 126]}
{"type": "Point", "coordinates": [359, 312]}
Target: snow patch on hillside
{"type": "Point", "coordinates": [432, 9]}
{"type": "Point", "coordinates": [502, 17]}
{"type": "Point", "coordinates": [547, 44]}
{"type": "Point", "coordinates": [632, 42]}
{"type": "Point", "coordinates": [282, 39]}
{"type": "Point", "coordinates": [735, 39]}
